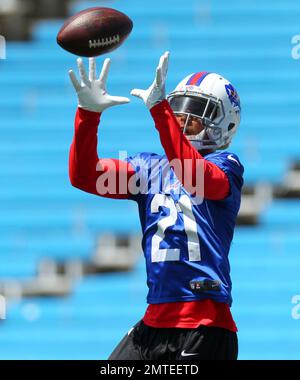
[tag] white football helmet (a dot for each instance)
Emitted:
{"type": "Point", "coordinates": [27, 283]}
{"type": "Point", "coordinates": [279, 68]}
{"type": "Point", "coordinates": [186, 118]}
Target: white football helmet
{"type": "Point", "coordinates": [212, 99]}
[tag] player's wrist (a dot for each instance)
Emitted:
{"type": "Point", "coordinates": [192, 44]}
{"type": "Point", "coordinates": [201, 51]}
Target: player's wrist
{"type": "Point", "coordinates": [159, 108]}
{"type": "Point", "coordinates": [88, 113]}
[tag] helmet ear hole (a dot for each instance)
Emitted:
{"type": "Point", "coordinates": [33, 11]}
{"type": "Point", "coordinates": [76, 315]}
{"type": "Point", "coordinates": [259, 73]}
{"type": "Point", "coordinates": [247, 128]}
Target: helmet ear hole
{"type": "Point", "coordinates": [230, 126]}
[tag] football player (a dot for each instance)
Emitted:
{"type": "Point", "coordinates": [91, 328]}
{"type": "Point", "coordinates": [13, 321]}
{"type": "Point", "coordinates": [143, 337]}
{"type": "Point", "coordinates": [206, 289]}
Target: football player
{"type": "Point", "coordinates": [188, 202]}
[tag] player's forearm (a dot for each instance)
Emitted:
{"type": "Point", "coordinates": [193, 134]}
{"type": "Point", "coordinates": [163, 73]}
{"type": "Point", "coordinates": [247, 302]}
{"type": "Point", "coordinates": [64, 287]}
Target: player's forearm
{"type": "Point", "coordinates": [192, 164]}
{"type": "Point", "coordinates": [85, 167]}
{"type": "Point", "coordinates": [83, 156]}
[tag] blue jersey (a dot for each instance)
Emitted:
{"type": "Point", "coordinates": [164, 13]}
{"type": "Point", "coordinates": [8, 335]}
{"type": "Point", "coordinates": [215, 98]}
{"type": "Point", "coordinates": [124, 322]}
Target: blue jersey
{"type": "Point", "coordinates": [186, 243]}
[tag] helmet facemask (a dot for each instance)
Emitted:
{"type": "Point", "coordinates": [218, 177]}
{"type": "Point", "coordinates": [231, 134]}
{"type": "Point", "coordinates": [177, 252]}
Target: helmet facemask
{"type": "Point", "coordinates": [207, 109]}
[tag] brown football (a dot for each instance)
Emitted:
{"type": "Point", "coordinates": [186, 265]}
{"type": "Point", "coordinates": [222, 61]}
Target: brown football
{"type": "Point", "coordinates": [94, 31]}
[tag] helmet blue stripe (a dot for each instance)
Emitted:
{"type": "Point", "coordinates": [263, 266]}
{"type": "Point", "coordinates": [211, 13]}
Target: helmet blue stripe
{"type": "Point", "coordinates": [196, 79]}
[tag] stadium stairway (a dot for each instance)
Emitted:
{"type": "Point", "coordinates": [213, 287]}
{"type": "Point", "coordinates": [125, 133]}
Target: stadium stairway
{"type": "Point", "coordinates": [43, 216]}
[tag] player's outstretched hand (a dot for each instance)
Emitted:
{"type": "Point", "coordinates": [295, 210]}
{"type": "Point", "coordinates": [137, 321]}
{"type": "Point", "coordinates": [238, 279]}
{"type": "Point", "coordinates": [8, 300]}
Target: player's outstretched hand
{"type": "Point", "coordinates": [91, 91]}
{"type": "Point", "coordinates": [157, 91]}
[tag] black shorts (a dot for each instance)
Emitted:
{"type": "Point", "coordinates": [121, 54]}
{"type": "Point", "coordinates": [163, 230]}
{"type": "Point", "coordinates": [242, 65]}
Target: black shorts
{"type": "Point", "coordinates": [151, 343]}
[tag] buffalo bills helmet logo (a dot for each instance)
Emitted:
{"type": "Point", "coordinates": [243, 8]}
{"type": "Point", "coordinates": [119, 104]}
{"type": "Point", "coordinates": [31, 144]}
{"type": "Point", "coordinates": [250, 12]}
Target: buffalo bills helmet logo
{"type": "Point", "coordinates": [233, 95]}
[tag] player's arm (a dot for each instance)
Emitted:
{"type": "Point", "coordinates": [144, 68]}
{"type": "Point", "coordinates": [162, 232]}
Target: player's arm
{"type": "Point", "coordinates": [176, 146]}
{"type": "Point", "coordinates": [85, 167]}
{"type": "Point", "coordinates": [192, 164]}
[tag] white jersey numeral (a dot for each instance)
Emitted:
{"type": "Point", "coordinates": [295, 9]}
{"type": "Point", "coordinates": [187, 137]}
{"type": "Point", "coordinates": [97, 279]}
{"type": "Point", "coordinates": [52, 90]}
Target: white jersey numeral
{"type": "Point", "coordinates": [157, 254]}
{"type": "Point", "coordinates": [190, 226]}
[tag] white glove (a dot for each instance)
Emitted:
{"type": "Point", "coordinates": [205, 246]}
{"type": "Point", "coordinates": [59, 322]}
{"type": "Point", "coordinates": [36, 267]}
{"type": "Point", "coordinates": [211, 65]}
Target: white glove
{"type": "Point", "coordinates": [91, 92]}
{"type": "Point", "coordinates": [156, 93]}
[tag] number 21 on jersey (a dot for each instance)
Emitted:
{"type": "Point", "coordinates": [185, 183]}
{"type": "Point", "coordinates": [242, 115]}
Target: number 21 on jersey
{"type": "Point", "coordinates": [190, 227]}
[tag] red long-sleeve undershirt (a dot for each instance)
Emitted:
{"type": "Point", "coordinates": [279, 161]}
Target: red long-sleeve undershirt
{"type": "Point", "coordinates": [215, 184]}
{"type": "Point", "coordinates": [85, 167]}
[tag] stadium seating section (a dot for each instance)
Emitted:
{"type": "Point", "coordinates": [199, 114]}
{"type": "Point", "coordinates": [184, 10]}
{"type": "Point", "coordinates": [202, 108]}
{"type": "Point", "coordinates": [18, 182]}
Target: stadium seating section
{"type": "Point", "coordinates": [43, 217]}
